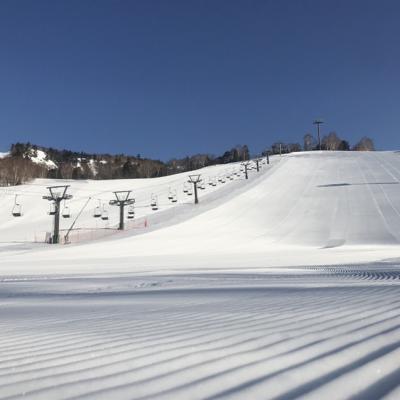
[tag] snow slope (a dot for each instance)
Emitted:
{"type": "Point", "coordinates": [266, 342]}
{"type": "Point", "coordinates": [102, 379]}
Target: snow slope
{"type": "Point", "coordinates": [284, 286]}
{"type": "Point", "coordinates": [329, 207]}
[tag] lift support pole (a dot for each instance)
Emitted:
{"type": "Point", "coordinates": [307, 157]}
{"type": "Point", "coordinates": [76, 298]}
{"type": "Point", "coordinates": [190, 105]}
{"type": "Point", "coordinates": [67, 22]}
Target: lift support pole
{"type": "Point", "coordinates": [57, 195]}
{"type": "Point", "coordinates": [122, 200]}
{"type": "Point", "coordinates": [195, 179]}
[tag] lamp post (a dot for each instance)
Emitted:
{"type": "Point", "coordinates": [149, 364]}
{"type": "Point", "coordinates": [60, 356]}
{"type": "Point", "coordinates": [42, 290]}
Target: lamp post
{"type": "Point", "coordinates": [57, 195]}
{"type": "Point", "coordinates": [122, 200]}
{"type": "Point", "coordinates": [195, 179]}
{"type": "Point", "coordinates": [318, 122]}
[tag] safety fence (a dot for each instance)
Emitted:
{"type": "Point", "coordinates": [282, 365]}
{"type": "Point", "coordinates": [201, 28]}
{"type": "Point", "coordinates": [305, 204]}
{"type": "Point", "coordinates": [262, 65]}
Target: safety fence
{"type": "Point", "coordinates": [79, 235]}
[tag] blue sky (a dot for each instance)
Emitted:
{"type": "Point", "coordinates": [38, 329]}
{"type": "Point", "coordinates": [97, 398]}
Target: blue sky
{"type": "Point", "coordinates": [171, 78]}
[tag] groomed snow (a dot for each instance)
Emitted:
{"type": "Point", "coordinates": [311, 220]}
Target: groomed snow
{"type": "Point", "coordinates": [280, 287]}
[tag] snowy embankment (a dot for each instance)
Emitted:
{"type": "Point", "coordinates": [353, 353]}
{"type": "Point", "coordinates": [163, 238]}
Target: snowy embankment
{"type": "Point", "coordinates": [237, 298]}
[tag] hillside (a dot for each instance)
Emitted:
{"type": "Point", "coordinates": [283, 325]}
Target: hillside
{"type": "Point", "coordinates": [281, 286]}
{"type": "Point", "coordinates": [319, 204]}
{"type": "Point", "coordinates": [26, 161]}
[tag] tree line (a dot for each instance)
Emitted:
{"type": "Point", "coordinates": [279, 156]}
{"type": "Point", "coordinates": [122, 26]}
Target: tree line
{"type": "Point", "coordinates": [20, 165]}
{"type": "Point", "coordinates": [330, 142]}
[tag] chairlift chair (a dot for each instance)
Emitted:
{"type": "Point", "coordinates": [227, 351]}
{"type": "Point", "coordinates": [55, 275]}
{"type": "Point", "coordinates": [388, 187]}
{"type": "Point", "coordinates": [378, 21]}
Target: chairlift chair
{"type": "Point", "coordinates": [104, 215]}
{"type": "Point", "coordinates": [131, 212]}
{"type": "Point", "coordinates": [17, 209]}
{"type": "Point", "coordinates": [97, 210]}
{"type": "Point", "coordinates": [153, 204]}
{"type": "Point", "coordinates": [190, 192]}
{"type": "Point", "coordinates": [185, 188]}
{"type": "Point", "coordinates": [52, 209]}
{"type": "Point", "coordinates": [153, 200]}
{"type": "Point", "coordinates": [66, 213]}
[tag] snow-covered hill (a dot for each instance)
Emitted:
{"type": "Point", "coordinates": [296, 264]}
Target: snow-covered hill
{"type": "Point", "coordinates": [40, 157]}
{"type": "Point", "coordinates": [338, 206]}
{"type": "Point", "coordinates": [282, 286]}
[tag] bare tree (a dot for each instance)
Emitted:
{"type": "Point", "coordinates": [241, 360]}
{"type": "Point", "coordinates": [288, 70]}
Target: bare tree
{"type": "Point", "coordinates": [331, 142]}
{"type": "Point", "coordinates": [365, 144]}
{"type": "Point", "coordinates": [309, 142]}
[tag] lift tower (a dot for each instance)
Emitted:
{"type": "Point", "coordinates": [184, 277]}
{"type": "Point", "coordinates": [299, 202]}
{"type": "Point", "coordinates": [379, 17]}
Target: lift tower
{"type": "Point", "coordinates": [122, 200]}
{"type": "Point", "coordinates": [195, 179]}
{"type": "Point", "coordinates": [246, 166]}
{"type": "Point", "coordinates": [57, 195]}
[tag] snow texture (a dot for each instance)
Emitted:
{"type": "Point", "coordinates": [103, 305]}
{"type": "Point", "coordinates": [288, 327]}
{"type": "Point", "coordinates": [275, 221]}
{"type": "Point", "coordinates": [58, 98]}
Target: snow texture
{"type": "Point", "coordinates": [282, 286]}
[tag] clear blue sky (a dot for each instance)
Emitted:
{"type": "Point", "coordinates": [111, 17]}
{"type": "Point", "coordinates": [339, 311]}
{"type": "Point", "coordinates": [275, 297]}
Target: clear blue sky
{"type": "Point", "coordinates": [168, 78]}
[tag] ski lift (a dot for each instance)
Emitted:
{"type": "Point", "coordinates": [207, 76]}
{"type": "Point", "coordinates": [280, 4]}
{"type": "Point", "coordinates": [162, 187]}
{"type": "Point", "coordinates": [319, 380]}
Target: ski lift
{"type": "Point", "coordinates": [170, 194]}
{"type": "Point", "coordinates": [104, 215]}
{"type": "Point", "coordinates": [190, 192]}
{"type": "Point", "coordinates": [17, 209]}
{"type": "Point", "coordinates": [185, 188]}
{"type": "Point", "coordinates": [153, 204]}
{"type": "Point", "coordinates": [131, 212]}
{"type": "Point", "coordinates": [65, 212]}
{"type": "Point", "coordinates": [52, 209]}
{"type": "Point", "coordinates": [97, 210]}
{"type": "Point", "coordinates": [174, 197]}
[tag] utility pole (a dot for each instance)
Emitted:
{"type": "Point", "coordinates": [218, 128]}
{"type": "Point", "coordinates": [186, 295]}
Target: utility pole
{"type": "Point", "coordinates": [57, 195]}
{"type": "Point", "coordinates": [122, 200]}
{"type": "Point", "coordinates": [318, 122]}
{"type": "Point", "coordinates": [246, 166]}
{"type": "Point", "coordinates": [195, 179]}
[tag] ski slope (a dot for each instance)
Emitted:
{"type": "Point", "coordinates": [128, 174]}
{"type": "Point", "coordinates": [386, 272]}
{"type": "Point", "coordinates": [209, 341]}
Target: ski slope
{"type": "Point", "coordinates": [282, 286]}
{"type": "Point", "coordinates": [304, 208]}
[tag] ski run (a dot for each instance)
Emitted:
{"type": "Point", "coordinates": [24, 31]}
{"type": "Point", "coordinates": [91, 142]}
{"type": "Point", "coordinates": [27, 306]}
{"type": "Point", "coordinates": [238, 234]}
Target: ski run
{"type": "Point", "coordinates": [281, 286]}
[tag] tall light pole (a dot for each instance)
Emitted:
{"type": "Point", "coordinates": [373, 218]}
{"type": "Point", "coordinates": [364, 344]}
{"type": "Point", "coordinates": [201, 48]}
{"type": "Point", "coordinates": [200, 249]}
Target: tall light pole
{"type": "Point", "coordinates": [318, 122]}
{"type": "Point", "coordinates": [57, 195]}
{"type": "Point", "coordinates": [122, 200]}
{"type": "Point", "coordinates": [195, 179]}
